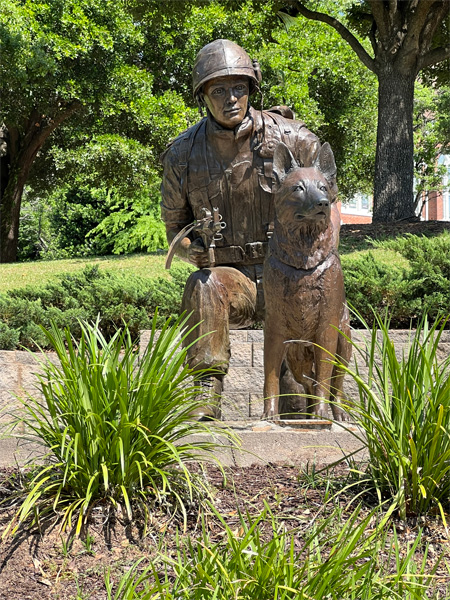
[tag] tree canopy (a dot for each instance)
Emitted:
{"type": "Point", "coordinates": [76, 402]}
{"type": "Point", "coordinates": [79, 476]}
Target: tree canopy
{"type": "Point", "coordinates": [406, 37]}
{"type": "Point", "coordinates": [92, 90]}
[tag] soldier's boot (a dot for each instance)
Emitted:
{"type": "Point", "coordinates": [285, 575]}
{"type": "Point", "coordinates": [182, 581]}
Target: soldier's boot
{"type": "Point", "coordinates": [210, 395]}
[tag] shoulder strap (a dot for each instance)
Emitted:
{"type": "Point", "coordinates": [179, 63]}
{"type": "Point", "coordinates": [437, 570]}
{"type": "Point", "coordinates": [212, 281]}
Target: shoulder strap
{"type": "Point", "coordinates": [186, 142]}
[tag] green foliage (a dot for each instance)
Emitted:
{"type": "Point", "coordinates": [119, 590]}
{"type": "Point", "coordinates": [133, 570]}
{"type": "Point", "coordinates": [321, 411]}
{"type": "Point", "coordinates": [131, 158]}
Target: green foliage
{"type": "Point", "coordinates": [74, 213]}
{"type": "Point", "coordinates": [9, 338]}
{"type": "Point", "coordinates": [133, 226]}
{"type": "Point", "coordinates": [331, 91]}
{"type": "Point", "coordinates": [370, 283]}
{"type": "Point", "coordinates": [431, 139]}
{"type": "Point", "coordinates": [113, 427]}
{"type": "Point", "coordinates": [404, 417]}
{"type": "Point", "coordinates": [281, 566]}
{"type": "Point", "coordinates": [407, 293]}
{"type": "Point", "coordinates": [428, 280]}
{"type": "Point", "coordinates": [55, 51]}
{"type": "Point", "coordinates": [116, 298]}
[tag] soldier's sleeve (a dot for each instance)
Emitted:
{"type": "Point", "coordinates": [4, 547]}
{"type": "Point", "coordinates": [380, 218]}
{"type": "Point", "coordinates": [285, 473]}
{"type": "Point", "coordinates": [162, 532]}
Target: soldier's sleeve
{"type": "Point", "coordinates": [175, 209]}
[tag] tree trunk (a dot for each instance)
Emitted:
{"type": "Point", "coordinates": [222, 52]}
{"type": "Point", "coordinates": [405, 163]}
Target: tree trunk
{"type": "Point", "coordinates": [394, 173]}
{"type": "Point", "coordinates": [10, 210]}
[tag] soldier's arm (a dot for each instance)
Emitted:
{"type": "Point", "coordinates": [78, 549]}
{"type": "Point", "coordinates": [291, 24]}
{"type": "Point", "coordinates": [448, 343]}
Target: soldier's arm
{"type": "Point", "coordinates": [176, 211]}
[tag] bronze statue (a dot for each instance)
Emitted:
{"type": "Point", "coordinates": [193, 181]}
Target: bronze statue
{"type": "Point", "coordinates": [218, 173]}
{"type": "Point", "coordinates": [304, 286]}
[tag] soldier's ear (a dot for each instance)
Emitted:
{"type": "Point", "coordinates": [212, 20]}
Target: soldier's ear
{"type": "Point", "coordinates": [326, 164]}
{"type": "Point", "coordinates": [283, 162]}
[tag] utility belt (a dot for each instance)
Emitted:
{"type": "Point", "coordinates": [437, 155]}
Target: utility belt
{"type": "Point", "coordinates": [251, 254]}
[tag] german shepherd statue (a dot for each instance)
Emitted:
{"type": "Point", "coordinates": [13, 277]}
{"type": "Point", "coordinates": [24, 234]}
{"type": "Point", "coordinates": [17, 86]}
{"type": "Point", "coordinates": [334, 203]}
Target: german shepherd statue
{"type": "Point", "coordinates": [304, 287]}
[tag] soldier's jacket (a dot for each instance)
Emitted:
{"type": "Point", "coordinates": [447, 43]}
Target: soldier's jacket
{"type": "Point", "coordinates": [209, 166]}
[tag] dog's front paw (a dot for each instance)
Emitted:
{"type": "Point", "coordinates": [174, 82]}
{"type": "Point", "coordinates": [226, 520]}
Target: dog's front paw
{"type": "Point", "coordinates": [320, 411]}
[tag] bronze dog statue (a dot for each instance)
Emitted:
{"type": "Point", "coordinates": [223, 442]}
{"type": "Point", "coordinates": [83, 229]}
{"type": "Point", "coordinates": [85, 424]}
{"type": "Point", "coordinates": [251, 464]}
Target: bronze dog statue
{"type": "Point", "coordinates": [304, 286]}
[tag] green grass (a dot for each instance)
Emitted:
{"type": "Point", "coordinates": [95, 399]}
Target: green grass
{"type": "Point", "coordinates": [19, 275]}
{"type": "Point", "coordinates": [388, 257]}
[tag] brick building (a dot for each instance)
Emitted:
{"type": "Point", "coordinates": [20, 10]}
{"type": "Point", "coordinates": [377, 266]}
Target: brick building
{"type": "Point", "coordinates": [359, 209]}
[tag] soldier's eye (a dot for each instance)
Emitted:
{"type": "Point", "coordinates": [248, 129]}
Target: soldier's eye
{"type": "Point", "coordinates": [217, 91]}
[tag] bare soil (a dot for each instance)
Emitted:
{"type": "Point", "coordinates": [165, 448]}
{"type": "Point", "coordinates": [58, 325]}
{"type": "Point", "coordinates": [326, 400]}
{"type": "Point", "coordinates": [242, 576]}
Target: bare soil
{"type": "Point", "coordinates": [35, 565]}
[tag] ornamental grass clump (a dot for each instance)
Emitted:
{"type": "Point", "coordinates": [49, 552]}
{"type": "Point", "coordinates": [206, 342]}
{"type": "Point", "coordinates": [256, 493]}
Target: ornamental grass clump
{"type": "Point", "coordinates": [262, 560]}
{"type": "Point", "coordinates": [114, 428]}
{"type": "Point", "coordinates": [403, 414]}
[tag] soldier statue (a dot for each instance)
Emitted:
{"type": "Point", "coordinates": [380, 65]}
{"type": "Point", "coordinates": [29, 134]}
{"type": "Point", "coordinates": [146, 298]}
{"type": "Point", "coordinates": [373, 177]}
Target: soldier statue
{"type": "Point", "coordinates": [220, 171]}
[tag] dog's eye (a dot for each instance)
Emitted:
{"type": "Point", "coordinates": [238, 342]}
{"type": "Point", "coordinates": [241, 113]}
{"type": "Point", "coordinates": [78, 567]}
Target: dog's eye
{"type": "Point", "coordinates": [299, 188]}
{"type": "Point", "coordinates": [323, 188]}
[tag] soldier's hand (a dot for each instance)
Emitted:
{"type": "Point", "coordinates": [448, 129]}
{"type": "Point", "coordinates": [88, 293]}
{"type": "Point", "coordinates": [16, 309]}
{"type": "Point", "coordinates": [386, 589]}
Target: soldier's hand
{"type": "Point", "coordinates": [197, 254]}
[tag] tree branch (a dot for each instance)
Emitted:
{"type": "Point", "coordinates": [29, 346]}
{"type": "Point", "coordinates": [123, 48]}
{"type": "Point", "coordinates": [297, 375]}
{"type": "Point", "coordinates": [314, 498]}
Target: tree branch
{"type": "Point", "coordinates": [419, 16]}
{"type": "Point", "coordinates": [434, 56]}
{"type": "Point", "coordinates": [40, 135]}
{"type": "Point", "coordinates": [346, 35]}
{"type": "Point", "coordinates": [372, 36]}
{"type": "Point", "coordinates": [434, 19]}
{"type": "Point", "coordinates": [379, 15]}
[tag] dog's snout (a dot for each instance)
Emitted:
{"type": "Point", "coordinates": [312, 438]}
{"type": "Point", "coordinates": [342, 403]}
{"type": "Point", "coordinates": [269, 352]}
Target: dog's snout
{"type": "Point", "coordinates": [323, 202]}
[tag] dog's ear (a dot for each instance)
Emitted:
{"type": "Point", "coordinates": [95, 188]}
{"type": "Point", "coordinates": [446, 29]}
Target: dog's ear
{"type": "Point", "coordinates": [326, 164]}
{"type": "Point", "coordinates": [283, 162]}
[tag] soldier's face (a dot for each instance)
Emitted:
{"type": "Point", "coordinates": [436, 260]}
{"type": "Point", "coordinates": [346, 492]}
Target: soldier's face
{"type": "Point", "coordinates": [227, 99]}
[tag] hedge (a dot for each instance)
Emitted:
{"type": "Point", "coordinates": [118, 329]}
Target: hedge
{"type": "Point", "coordinates": [405, 293]}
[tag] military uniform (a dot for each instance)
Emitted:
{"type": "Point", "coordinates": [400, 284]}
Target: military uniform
{"type": "Point", "coordinates": [210, 166]}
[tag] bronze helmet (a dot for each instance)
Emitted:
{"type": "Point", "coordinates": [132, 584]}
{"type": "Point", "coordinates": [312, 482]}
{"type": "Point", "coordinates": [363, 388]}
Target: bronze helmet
{"type": "Point", "coordinates": [221, 58]}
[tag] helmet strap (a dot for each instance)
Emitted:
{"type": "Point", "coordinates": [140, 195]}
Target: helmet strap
{"type": "Point", "coordinates": [200, 104]}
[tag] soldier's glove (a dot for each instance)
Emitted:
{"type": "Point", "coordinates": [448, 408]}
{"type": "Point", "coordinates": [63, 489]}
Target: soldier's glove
{"type": "Point", "coordinates": [197, 254]}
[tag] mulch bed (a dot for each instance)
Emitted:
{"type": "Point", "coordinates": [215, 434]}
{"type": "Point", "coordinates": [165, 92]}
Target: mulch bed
{"type": "Point", "coordinates": [33, 565]}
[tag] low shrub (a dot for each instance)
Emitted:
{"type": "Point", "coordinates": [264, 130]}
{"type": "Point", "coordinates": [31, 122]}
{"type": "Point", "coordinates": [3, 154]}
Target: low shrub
{"type": "Point", "coordinates": [113, 428]}
{"type": "Point", "coordinates": [116, 298]}
{"type": "Point", "coordinates": [428, 278]}
{"type": "Point", "coordinates": [403, 415]}
{"type": "Point", "coordinates": [371, 284]}
{"type": "Point", "coordinates": [407, 293]}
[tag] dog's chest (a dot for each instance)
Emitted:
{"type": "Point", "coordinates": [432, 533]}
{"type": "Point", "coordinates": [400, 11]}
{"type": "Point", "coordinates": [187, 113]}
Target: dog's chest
{"type": "Point", "coordinates": [300, 300]}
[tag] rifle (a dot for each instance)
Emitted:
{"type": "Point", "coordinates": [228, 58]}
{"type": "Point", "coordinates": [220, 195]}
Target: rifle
{"type": "Point", "coordinates": [209, 227]}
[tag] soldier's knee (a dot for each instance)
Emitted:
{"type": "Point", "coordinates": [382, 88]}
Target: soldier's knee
{"type": "Point", "coordinates": [202, 289]}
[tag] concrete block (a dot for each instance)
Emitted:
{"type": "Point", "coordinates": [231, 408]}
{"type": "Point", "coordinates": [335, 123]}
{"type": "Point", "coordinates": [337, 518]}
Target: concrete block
{"type": "Point", "coordinates": [241, 354]}
{"type": "Point", "coordinates": [8, 404]}
{"type": "Point", "coordinates": [7, 357]}
{"type": "Point", "coordinates": [255, 335]}
{"type": "Point", "coordinates": [258, 354]}
{"type": "Point", "coordinates": [238, 336]}
{"type": "Point", "coordinates": [27, 358]}
{"type": "Point", "coordinates": [9, 378]}
{"type": "Point", "coordinates": [144, 339]}
{"type": "Point", "coordinates": [247, 379]}
{"type": "Point", "coordinates": [256, 406]}
{"type": "Point", "coordinates": [235, 406]}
